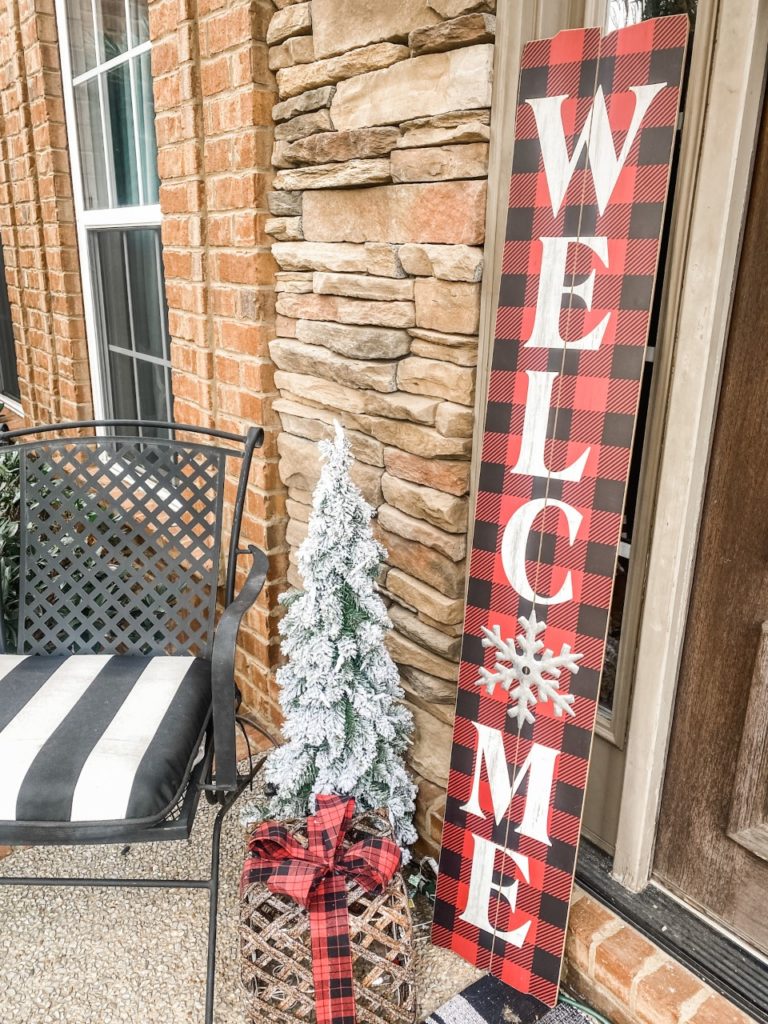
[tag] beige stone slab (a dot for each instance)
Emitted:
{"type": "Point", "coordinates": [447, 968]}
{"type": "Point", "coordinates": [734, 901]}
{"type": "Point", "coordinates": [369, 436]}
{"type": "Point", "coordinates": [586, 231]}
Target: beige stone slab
{"type": "Point", "coordinates": [440, 163]}
{"type": "Point", "coordinates": [405, 652]}
{"type": "Point", "coordinates": [466, 30]}
{"type": "Point", "coordinates": [455, 420]}
{"type": "Point", "coordinates": [297, 283]}
{"type": "Point", "coordinates": [363, 286]}
{"type": "Point", "coordinates": [430, 753]}
{"type": "Point", "coordinates": [446, 262]}
{"type": "Point", "coordinates": [412, 627]}
{"type": "Point", "coordinates": [285, 229]}
{"type": "Point", "coordinates": [452, 545]}
{"type": "Point", "coordinates": [422, 86]}
{"type": "Point", "coordinates": [467, 132]}
{"type": "Point", "coordinates": [284, 204]}
{"type": "Point", "coordinates": [401, 411]}
{"type": "Point", "coordinates": [461, 355]}
{"type": "Point", "coordinates": [346, 311]}
{"type": "Point", "coordinates": [442, 474]}
{"type": "Point", "coordinates": [357, 342]}
{"type": "Point", "coordinates": [296, 50]}
{"type": "Point", "coordinates": [318, 424]}
{"type": "Point", "coordinates": [437, 694]}
{"type": "Point", "coordinates": [320, 256]}
{"type": "Point", "coordinates": [426, 564]}
{"type": "Point", "coordinates": [436, 377]}
{"type": "Point", "coordinates": [442, 212]}
{"type": "Point", "coordinates": [383, 260]}
{"type": "Point", "coordinates": [334, 147]}
{"type": "Point", "coordinates": [313, 99]}
{"type": "Point", "coordinates": [410, 437]}
{"type": "Point", "coordinates": [445, 511]}
{"type": "Point", "coordinates": [304, 124]}
{"type": "Point", "coordinates": [418, 595]}
{"type": "Point", "coordinates": [354, 172]}
{"type": "Point", "coordinates": [292, 81]}
{"type": "Point", "coordinates": [454, 8]}
{"type": "Point", "coordinates": [295, 20]}
{"type": "Point", "coordinates": [342, 26]}
{"type": "Point", "coordinates": [296, 357]}
{"type": "Point", "coordinates": [299, 468]}
{"type": "Point", "coordinates": [448, 306]}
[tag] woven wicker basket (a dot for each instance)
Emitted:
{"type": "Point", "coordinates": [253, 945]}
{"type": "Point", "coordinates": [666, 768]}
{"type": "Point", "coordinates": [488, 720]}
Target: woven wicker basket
{"type": "Point", "coordinates": [276, 954]}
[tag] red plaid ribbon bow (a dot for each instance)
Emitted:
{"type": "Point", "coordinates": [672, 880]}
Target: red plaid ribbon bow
{"type": "Point", "coordinates": [316, 877]}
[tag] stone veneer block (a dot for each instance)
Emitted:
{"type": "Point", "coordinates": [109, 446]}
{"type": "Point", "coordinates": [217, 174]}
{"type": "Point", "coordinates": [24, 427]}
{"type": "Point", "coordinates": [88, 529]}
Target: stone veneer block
{"type": "Point", "coordinates": [436, 377]}
{"type": "Point", "coordinates": [427, 564]}
{"type": "Point", "coordinates": [292, 81]}
{"type": "Point", "coordinates": [296, 50]}
{"type": "Point", "coordinates": [317, 256]}
{"type": "Point", "coordinates": [304, 103]}
{"type": "Point", "coordinates": [454, 8]}
{"type": "Point", "coordinates": [442, 510]}
{"type": "Point", "coordinates": [292, 21]}
{"type": "Point", "coordinates": [331, 147]}
{"type": "Point", "coordinates": [354, 172]}
{"type": "Point", "coordinates": [463, 31]}
{"type": "Point", "coordinates": [392, 408]}
{"type": "Point", "coordinates": [433, 84]}
{"type": "Point", "coordinates": [410, 437]}
{"type": "Point", "coordinates": [357, 342]}
{"type": "Point", "coordinates": [452, 545]}
{"type": "Point", "coordinates": [442, 474]}
{"type": "Point", "coordinates": [410, 625]}
{"type": "Point", "coordinates": [447, 306]}
{"type": "Point", "coordinates": [297, 357]}
{"type": "Point", "coordinates": [440, 163]}
{"type": "Point", "coordinates": [304, 124]}
{"type": "Point", "coordinates": [446, 262]}
{"type": "Point", "coordinates": [408, 652]}
{"type": "Point", "coordinates": [431, 748]}
{"type": "Point", "coordinates": [346, 311]}
{"type": "Point", "coordinates": [342, 26]}
{"type": "Point", "coordinates": [363, 286]}
{"type": "Point", "coordinates": [434, 212]}
{"type": "Point", "coordinates": [424, 598]}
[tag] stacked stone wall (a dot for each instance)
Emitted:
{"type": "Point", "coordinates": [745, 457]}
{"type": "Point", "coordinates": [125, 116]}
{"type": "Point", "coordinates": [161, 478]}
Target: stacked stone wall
{"type": "Point", "coordinates": [378, 217]}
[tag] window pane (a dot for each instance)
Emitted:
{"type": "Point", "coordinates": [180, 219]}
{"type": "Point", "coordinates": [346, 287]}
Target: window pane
{"type": "Point", "coordinates": [139, 22]}
{"type": "Point", "coordinates": [629, 12]}
{"type": "Point", "coordinates": [147, 304]}
{"type": "Point", "coordinates": [122, 136]}
{"type": "Point", "coordinates": [9, 379]}
{"type": "Point", "coordinates": [124, 403]}
{"type": "Point", "coordinates": [147, 138]}
{"type": "Point", "coordinates": [153, 401]}
{"type": "Point", "coordinates": [91, 140]}
{"type": "Point", "coordinates": [82, 39]}
{"type": "Point", "coordinates": [114, 30]}
{"type": "Point", "coordinates": [109, 271]}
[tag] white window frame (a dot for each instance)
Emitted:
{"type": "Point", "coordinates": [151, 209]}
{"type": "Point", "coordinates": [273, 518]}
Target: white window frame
{"type": "Point", "coordinates": [144, 215]}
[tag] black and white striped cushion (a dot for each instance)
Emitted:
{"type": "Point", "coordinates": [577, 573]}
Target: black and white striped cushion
{"type": "Point", "coordinates": [90, 738]}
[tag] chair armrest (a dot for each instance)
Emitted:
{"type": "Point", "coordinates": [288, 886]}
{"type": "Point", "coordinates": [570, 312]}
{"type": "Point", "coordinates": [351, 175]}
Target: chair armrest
{"type": "Point", "coordinates": [223, 671]}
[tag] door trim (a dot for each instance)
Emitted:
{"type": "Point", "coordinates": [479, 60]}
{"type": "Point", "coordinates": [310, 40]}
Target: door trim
{"type": "Point", "coordinates": [723, 108]}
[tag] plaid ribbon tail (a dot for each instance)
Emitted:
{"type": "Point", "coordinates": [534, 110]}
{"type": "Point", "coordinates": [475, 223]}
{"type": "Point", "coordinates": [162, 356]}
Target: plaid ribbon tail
{"type": "Point", "coordinates": [332, 952]}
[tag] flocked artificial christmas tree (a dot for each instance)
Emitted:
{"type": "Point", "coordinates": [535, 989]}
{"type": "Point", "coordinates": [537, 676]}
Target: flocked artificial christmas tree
{"type": "Point", "coordinates": [345, 728]}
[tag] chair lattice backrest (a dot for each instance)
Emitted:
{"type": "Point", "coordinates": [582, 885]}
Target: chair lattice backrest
{"type": "Point", "coordinates": [120, 540]}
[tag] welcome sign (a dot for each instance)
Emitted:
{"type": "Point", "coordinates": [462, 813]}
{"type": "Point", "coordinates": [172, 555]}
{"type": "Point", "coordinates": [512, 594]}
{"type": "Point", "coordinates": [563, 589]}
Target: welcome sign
{"type": "Point", "coordinates": [595, 127]}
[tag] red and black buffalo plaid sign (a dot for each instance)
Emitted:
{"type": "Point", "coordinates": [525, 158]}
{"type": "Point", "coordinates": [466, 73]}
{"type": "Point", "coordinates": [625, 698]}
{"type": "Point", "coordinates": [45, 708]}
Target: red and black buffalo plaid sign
{"type": "Point", "coordinates": [595, 127]}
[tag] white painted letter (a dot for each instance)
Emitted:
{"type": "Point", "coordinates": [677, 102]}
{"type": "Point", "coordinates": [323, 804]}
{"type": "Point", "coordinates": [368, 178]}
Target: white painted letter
{"type": "Point", "coordinates": [530, 461]}
{"type": "Point", "coordinates": [596, 137]}
{"type": "Point", "coordinates": [515, 541]}
{"type": "Point", "coordinates": [540, 768]}
{"type": "Point", "coordinates": [546, 324]}
{"type": "Point", "coordinates": [481, 885]}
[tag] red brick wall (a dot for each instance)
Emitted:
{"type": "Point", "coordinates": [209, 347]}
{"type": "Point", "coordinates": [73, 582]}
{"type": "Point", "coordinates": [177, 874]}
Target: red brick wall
{"type": "Point", "coordinates": [37, 223]}
{"type": "Point", "coordinates": [213, 99]}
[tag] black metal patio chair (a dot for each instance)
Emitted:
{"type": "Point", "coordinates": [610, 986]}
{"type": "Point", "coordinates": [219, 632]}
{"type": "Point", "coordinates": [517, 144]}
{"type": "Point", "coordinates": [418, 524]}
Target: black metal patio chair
{"type": "Point", "coordinates": [122, 686]}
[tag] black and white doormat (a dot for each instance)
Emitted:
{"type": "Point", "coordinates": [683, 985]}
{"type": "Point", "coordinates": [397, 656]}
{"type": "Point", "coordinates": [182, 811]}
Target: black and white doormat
{"type": "Point", "coordinates": [489, 1001]}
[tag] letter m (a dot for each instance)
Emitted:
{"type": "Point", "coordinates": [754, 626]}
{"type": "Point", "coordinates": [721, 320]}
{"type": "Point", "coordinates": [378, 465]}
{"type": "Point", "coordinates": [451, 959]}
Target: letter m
{"type": "Point", "coordinates": [539, 766]}
{"type": "Point", "coordinates": [596, 137]}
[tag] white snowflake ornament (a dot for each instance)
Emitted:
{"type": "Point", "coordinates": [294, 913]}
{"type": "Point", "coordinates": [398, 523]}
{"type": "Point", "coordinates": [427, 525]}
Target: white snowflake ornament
{"type": "Point", "coordinates": [519, 673]}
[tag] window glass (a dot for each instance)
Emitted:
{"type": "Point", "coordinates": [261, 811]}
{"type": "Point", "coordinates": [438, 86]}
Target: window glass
{"type": "Point", "coordinates": [122, 133]}
{"type": "Point", "coordinates": [91, 141]}
{"type": "Point", "coordinates": [628, 12]}
{"type": "Point", "coordinates": [9, 378]}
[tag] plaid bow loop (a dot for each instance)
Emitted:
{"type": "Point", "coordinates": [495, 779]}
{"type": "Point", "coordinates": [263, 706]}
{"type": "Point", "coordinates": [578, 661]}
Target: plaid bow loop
{"type": "Point", "coordinates": [315, 876]}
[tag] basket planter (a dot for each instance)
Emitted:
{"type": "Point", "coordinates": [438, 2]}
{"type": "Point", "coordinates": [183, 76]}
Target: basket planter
{"type": "Point", "coordinates": [276, 951]}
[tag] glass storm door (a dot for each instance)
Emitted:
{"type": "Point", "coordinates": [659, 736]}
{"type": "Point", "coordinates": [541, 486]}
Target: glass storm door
{"type": "Point", "coordinates": [105, 60]}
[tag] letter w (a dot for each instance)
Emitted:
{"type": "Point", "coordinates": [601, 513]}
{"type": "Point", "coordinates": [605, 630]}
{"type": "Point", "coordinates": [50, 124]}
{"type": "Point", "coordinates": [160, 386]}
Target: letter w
{"type": "Point", "coordinates": [596, 137]}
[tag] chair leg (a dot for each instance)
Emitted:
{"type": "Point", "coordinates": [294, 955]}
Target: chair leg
{"type": "Point", "coordinates": [210, 979]}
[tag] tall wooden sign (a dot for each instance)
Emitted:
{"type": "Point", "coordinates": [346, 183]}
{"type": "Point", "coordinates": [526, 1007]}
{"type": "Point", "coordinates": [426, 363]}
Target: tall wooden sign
{"type": "Point", "coordinates": [596, 121]}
